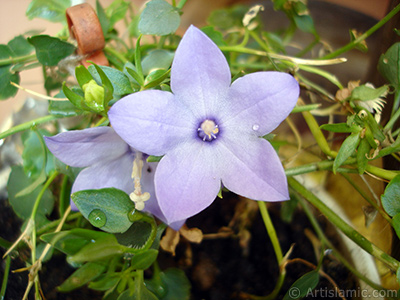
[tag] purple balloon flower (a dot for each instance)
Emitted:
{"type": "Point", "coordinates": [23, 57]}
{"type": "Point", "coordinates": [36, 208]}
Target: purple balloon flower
{"type": "Point", "coordinates": [107, 161]}
{"type": "Point", "coordinates": [208, 129]}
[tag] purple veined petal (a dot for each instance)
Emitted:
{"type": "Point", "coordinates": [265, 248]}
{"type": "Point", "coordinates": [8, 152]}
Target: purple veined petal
{"type": "Point", "coordinates": [152, 121]}
{"type": "Point", "coordinates": [187, 180]}
{"type": "Point", "coordinates": [106, 174]}
{"type": "Point", "coordinates": [81, 148]}
{"type": "Point", "coordinates": [260, 102]}
{"type": "Point", "coordinates": [200, 74]}
{"type": "Point", "coordinates": [251, 168]}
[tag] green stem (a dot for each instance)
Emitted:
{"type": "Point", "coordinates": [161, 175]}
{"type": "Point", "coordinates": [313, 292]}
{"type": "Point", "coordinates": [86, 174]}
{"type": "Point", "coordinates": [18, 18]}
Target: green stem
{"type": "Point", "coordinates": [362, 37]}
{"type": "Point", "coordinates": [29, 124]}
{"type": "Point", "coordinates": [324, 240]}
{"type": "Point", "coordinates": [5, 277]}
{"type": "Point", "coordinates": [115, 53]}
{"type": "Point", "coordinates": [317, 166]}
{"type": "Point", "coordinates": [64, 195]}
{"type": "Point", "coordinates": [368, 199]}
{"type": "Point", "coordinates": [55, 223]}
{"type": "Point", "coordinates": [19, 59]}
{"type": "Point", "coordinates": [40, 195]}
{"type": "Point", "coordinates": [181, 4]}
{"type": "Point", "coordinates": [318, 135]}
{"type": "Point", "coordinates": [382, 173]}
{"type": "Point", "coordinates": [354, 235]}
{"type": "Point", "coordinates": [392, 120]}
{"type": "Point", "coordinates": [277, 248]}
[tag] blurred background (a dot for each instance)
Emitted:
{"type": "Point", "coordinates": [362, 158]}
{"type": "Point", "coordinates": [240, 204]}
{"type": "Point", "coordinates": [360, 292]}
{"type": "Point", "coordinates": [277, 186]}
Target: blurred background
{"type": "Point", "coordinates": [14, 22]}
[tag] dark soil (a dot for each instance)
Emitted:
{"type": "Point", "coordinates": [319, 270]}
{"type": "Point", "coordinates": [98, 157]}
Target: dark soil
{"type": "Point", "coordinates": [218, 268]}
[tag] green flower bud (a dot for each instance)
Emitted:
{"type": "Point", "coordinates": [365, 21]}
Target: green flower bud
{"type": "Point", "coordinates": [94, 95]}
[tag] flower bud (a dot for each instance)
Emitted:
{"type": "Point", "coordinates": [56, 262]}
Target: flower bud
{"type": "Point", "coordinates": [94, 95]}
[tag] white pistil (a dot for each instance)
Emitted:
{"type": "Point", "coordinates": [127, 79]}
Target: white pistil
{"type": "Point", "coordinates": [137, 196]}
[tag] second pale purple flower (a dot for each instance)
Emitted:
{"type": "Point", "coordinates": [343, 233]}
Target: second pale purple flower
{"type": "Point", "coordinates": [208, 129]}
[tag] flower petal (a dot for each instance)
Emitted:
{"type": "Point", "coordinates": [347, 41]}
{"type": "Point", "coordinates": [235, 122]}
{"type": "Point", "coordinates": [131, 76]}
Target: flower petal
{"type": "Point", "coordinates": [260, 102]}
{"type": "Point", "coordinates": [152, 121]}
{"type": "Point", "coordinates": [106, 174]}
{"type": "Point", "coordinates": [187, 181]}
{"type": "Point", "coordinates": [81, 148]}
{"type": "Point", "coordinates": [200, 74]}
{"type": "Point", "coordinates": [251, 168]}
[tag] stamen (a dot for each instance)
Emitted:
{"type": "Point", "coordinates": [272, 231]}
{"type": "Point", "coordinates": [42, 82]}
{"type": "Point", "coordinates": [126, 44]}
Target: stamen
{"type": "Point", "coordinates": [137, 196]}
{"type": "Point", "coordinates": [208, 130]}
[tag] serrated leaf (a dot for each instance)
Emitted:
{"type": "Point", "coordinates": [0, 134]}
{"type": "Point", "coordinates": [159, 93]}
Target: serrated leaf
{"type": "Point", "coordinates": [159, 18]}
{"type": "Point", "coordinates": [389, 65]}
{"type": "Point", "coordinates": [6, 89]}
{"type": "Point", "coordinates": [136, 236]}
{"type": "Point", "coordinates": [391, 197]}
{"type": "Point", "coordinates": [82, 275]}
{"type": "Point", "coordinates": [23, 205]}
{"type": "Point", "coordinates": [50, 50]}
{"type": "Point", "coordinates": [346, 150]}
{"type": "Point", "coordinates": [113, 203]}
{"type": "Point", "coordinates": [51, 10]}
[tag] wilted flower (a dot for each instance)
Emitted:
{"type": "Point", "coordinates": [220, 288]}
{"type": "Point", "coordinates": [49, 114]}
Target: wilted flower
{"type": "Point", "coordinates": [208, 129]}
{"type": "Point", "coordinates": [107, 161]}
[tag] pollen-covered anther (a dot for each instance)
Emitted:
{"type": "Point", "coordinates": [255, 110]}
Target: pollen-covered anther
{"type": "Point", "coordinates": [139, 199]}
{"type": "Point", "coordinates": [208, 130]}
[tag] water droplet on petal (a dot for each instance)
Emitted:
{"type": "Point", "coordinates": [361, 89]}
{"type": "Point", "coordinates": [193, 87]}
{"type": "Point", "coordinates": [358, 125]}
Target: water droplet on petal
{"type": "Point", "coordinates": [97, 218]}
{"type": "Point", "coordinates": [256, 127]}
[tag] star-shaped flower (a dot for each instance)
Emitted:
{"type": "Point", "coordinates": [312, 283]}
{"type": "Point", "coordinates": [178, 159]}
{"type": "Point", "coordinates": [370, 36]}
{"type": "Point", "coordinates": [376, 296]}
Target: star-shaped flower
{"type": "Point", "coordinates": [107, 161]}
{"type": "Point", "coordinates": [208, 129]}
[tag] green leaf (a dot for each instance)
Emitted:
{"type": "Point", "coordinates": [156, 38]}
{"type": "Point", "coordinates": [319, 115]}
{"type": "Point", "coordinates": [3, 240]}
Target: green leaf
{"type": "Point", "coordinates": [365, 93]}
{"type": "Point", "coordinates": [20, 46]}
{"type": "Point", "coordinates": [396, 224]}
{"type": "Point", "coordinates": [175, 285]}
{"type": "Point", "coordinates": [119, 82]}
{"type": "Point", "coordinates": [215, 35]}
{"type": "Point", "coordinates": [155, 78]}
{"type": "Point", "coordinates": [50, 50]}
{"type": "Point", "coordinates": [114, 204]}
{"type": "Point", "coordinates": [83, 275]}
{"type": "Point", "coordinates": [117, 11]}
{"type": "Point", "coordinates": [159, 18]}
{"type": "Point", "coordinates": [82, 75]}
{"type": "Point", "coordinates": [6, 89]}
{"type": "Point", "coordinates": [157, 59]}
{"type": "Point", "coordinates": [302, 286]}
{"type": "Point", "coordinates": [153, 158]}
{"type": "Point", "coordinates": [23, 205]}
{"type": "Point", "coordinates": [135, 75]}
{"type": "Point", "coordinates": [222, 19]}
{"type": "Point", "coordinates": [144, 294]}
{"type": "Point", "coordinates": [144, 260]}
{"type": "Point", "coordinates": [101, 249]}
{"type": "Point", "coordinates": [103, 19]}
{"type": "Point", "coordinates": [104, 283]}
{"type": "Point", "coordinates": [35, 155]}
{"type": "Point", "coordinates": [76, 99]}
{"type": "Point", "coordinates": [391, 197]}
{"type": "Point", "coordinates": [71, 241]}
{"type": "Point", "coordinates": [136, 236]}
{"type": "Point", "coordinates": [51, 10]}
{"type": "Point", "coordinates": [63, 108]}
{"type": "Point", "coordinates": [305, 23]}
{"type": "Point", "coordinates": [389, 65]}
{"type": "Point", "coordinates": [346, 150]}
{"type": "Point", "coordinates": [341, 127]}
{"type": "Point", "coordinates": [362, 152]}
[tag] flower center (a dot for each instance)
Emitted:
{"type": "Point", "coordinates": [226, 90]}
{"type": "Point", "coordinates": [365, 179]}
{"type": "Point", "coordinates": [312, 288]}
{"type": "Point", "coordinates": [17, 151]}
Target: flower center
{"type": "Point", "coordinates": [208, 130]}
